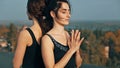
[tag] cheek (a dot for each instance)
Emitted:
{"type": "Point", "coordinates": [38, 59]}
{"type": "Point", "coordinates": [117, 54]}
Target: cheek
{"type": "Point", "coordinates": [61, 16]}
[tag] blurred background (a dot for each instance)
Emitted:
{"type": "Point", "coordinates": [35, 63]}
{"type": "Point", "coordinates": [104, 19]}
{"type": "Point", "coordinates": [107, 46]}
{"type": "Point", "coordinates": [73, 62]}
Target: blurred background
{"type": "Point", "coordinates": [98, 20]}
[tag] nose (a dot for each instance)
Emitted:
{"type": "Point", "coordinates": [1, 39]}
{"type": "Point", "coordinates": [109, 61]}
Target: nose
{"type": "Point", "coordinates": [68, 15]}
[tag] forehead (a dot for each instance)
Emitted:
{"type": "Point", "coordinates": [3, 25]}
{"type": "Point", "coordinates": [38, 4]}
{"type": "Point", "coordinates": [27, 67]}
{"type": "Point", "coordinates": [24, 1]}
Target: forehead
{"type": "Point", "coordinates": [64, 5]}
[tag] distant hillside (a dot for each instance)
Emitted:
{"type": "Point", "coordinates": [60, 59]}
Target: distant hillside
{"type": "Point", "coordinates": [19, 23]}
{"type": "Point", "coordinates": [92, 25]}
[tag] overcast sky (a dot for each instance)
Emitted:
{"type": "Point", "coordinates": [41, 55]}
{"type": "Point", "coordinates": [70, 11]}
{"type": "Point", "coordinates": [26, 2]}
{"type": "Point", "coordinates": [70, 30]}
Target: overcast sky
{"type": "Point", "coordinates": [81, 10]}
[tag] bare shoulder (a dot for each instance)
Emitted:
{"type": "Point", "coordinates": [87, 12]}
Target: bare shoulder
{"type": "Point", "coordinates": [24, 33]}
{"type": "Point", "coordinates": [24, 37]}
{"type": "Point", "coordinates": [46, 38]}
{"type": "Point", "coordinates": [47, 41]}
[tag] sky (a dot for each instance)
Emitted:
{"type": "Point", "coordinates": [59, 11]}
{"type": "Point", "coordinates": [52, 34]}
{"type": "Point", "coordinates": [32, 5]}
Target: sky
{"type": "Point", "coordinates": [81, 10]}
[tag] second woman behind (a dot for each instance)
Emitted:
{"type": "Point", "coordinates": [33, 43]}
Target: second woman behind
{"type": "Point", "coordinates": [28, 52]}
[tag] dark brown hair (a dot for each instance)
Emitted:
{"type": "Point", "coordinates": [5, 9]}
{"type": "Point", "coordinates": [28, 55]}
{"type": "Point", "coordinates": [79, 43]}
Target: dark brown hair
{"type": "Point", "coordinates": [35, 8]}
{"type": "Point", "coordinates": [53, 5]}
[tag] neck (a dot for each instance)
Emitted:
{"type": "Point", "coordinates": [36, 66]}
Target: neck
{"type": "Point", "coordinates": [36, 25]}
{"type": "Point", "coordinates": [58, 28]}
{"type": "Point", "coordinates": [35, 22]}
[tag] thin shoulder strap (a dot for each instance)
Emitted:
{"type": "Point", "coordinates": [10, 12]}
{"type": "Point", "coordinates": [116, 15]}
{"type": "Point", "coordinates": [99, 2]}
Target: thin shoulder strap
{"type": "Point", "coordinates": [31, 33]}
{"type": "Point", "coordinates": [57, 44]}
{"type": "Point", "coordinates": [50, 37]}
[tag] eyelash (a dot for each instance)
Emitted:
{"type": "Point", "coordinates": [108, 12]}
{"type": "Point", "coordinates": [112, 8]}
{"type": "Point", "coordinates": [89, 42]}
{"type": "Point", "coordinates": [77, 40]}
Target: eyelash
{"type": "Point", "coordinates": [64, 12]}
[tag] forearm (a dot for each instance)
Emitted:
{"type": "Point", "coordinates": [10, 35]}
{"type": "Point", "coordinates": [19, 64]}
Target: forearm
{"type": "Point", "coordinates": [16, 66]}
{"type": "Point", "coordinates": [62, 63]}
{"type": "Point", "coordinates": [78, 59]}
{"type": "Point", "coordinates": [17, 60]}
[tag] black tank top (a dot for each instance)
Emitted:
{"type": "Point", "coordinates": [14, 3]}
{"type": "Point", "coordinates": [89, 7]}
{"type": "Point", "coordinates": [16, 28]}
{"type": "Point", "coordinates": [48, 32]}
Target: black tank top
{"type": "Point", "coordinates": [59, 52]}
{"type": "Point", "coordinates": [32, 57]}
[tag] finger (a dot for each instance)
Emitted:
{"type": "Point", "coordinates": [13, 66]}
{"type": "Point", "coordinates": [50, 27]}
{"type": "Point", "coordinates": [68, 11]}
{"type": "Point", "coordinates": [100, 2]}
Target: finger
{"type": "Point", "coordinates": [78, 36]}
{"type": "Point", "coordinates": [76, 33]}
{"type": "Point", "coordinates": [72, 35]}
{"type": "Point", "coordinates": [81, 40]}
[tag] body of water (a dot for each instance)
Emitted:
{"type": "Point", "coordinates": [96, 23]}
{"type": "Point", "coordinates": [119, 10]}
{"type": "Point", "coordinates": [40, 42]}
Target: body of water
{"type": "Point", "coordinates": [6, 59]}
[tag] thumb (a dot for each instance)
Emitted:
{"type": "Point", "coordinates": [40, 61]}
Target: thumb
{"type": "Point", "coordinates": [81, 40]}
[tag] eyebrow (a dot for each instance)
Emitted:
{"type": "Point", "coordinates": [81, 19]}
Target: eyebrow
{"type": "Point", "coordinates": [64, 9]}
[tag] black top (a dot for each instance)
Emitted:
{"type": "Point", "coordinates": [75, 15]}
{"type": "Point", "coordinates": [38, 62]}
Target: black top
{"type": "Point", "coordinates": [32, 57]}
{"type": "Point", "coordinates": [59, 52]}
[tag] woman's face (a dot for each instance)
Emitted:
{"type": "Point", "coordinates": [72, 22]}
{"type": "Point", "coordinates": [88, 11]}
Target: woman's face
{"type": "Point", "coordinates": [63, 15]}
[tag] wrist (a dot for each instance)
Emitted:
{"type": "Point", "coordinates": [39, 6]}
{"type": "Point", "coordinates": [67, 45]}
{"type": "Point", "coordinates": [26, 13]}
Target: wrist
{"type": "Point", "coordinates": [72, 51]}
{"type": "Point", "coordinates": [77, 52]}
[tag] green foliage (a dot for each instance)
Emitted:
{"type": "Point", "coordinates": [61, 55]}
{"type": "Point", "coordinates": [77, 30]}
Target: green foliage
{"type": "Point", "coordinates": [93, 48]}
{"type": "Point", "coordinates": [9, 33]}
{"type": "Point", "coordinates": [12, 35]}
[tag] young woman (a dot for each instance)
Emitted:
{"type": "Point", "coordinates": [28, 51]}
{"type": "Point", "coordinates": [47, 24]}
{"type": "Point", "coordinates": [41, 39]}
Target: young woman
{"type": "Point", "coordinates": [59, 49]}
{"type": "Point", "coordinates": [28, 53]}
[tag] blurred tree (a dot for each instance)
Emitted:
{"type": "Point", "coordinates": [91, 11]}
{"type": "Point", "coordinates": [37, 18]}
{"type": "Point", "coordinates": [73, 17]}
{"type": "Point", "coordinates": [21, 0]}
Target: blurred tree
{"type": "Point", "coordinates": [98, 33]}
{"type": "Point", "coordinates": [3, 31]}
{"type": "Point", "coordinates": [12, 35]}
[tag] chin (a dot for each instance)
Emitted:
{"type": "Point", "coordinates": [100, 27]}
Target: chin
{"type": "Point", "coordinates": [67, 23]}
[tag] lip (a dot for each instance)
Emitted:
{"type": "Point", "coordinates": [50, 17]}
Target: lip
{"type": "Point", "coordinates": [67, 19]}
